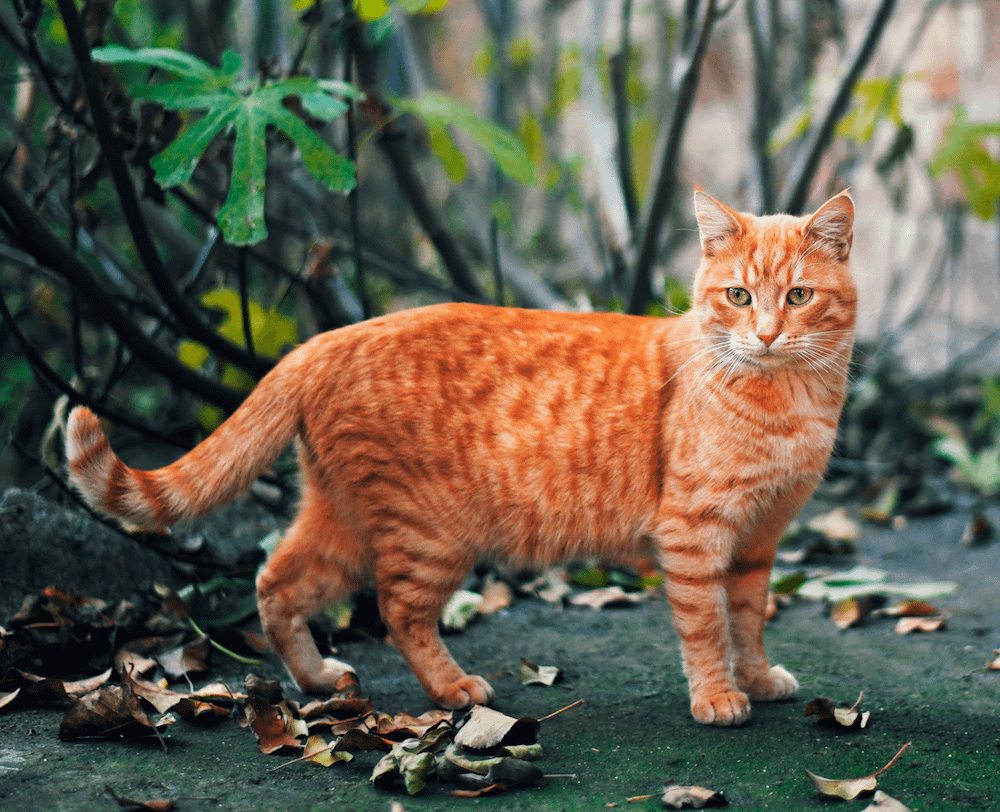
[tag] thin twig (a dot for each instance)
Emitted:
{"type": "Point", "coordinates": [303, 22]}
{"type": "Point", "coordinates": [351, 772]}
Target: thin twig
{"type": "Point", "coordinates": [618, 66]}
{"type": "Point", "coordinates": [666, 176]}
{"type": "Point", "coordinates": [807, 160]}
{"type": "Point", "coordinates": [29, 232]}
{"type": "Point", "coordinates": [562, 710]}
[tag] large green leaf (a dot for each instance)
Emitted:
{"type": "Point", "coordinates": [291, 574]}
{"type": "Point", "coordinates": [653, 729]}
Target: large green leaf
{"type": "Point", "coordinates": [438, 110]}
{"type": "Point", "coordinates": [249, 109]}
{"type": "Point", "coordinates": [963, 151]}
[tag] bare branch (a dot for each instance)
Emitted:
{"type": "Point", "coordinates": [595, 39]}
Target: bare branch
{"type": "Point", "coordinates": [811, 152]}
{"type": "Point", "coordinates": [763, 23]}
{"type": "Point", "coordinates": [666, 176]}
{"type": "Point", "coordinates": [28, 231]}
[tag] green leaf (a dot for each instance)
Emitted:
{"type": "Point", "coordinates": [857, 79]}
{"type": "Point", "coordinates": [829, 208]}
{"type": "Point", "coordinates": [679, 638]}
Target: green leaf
{"type": "Point", "coordinates": [873, 100]}
{"type": "Point", "coordinates": [249, 109]}
{"type": "Point", "coordinates": [168, 59]}
{"type": "Point", "coordinates": [509, 153]}
{"type": "Point", "coordinates": [963, 152]}
{"type": "Point", "coordinates": [448, 154]}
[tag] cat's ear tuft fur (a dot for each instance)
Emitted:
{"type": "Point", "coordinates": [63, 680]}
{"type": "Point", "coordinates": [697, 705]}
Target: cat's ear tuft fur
{"type": "Point", "coordinates": [717, 223]}
{"type": "Point", "coordinates": [833, 224]}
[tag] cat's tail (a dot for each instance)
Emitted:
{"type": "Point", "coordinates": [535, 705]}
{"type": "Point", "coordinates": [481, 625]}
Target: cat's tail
{"type": "Point", "coordinates": [210, 475]}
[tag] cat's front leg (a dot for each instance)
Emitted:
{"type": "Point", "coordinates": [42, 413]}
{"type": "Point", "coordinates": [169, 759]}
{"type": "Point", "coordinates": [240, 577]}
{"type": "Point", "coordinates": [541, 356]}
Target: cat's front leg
{"type": "Point", "coordinates": [746, 588]}
{"type": "Point", "coordinates": [694, 561]}
{"type": "Point", "coordinates": [747, 585]}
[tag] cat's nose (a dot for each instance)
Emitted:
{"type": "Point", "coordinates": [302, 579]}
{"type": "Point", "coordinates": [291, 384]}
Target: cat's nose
{"type": "Point", "coordinates": [768, 339]}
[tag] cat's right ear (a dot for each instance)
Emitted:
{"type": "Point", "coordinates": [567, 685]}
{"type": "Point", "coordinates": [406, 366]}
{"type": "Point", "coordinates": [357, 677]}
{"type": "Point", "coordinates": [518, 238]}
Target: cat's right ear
{"type": "Point", "coordinates": [717, 223]}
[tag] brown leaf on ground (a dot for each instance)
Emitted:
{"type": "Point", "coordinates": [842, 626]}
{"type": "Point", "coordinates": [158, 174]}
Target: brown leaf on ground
{"type": "Point", "coordinates": [849, 612]}
{"type": "Point", "coordinates": [163, 805]}
{"type": "Point", "coordinates": [406, 726]}
{"type": "Point", "coordinates": [361, 741]}
{"type": "Point", "coordinates": [485, 728]}
{"type": "Point", "coordinates": [851, 788]}
{"type": "Point", "coordinates": [496, 595]}
{"type": "Point", "coordinates": [907, 625]}
{"type": "Point", "coordinates": [829, 715]}
{"type": "Point", "coordinates": [339, 707]}
{"type": "Point", "coordinates": [531, 674]}
{"type": "Point", "coordinates": [185, 660]}
{"type": "Point", "coordinates": [110, 710]}
{"type": "Point", "coordinates": [911, 608]}
{"type": "Point", "coordinates": [978, 532]}
{"type": "Point", "coordinates": [266, 718]}
{"type": "Point", "coordinates": [607, 596]}
{"type": "Point", "coordinates": [694, 797]}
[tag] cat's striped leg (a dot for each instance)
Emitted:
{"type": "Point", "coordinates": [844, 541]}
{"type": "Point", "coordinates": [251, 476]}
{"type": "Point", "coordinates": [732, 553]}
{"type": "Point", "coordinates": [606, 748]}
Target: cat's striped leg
{"type": "Point", "coordinates": [303, 576]}
{"type": "Point", "coordinates": [694, 561]}
{"type": "Point", "coordinates": [747, 586]}
{"type": "Point", "coordinates": [415, 579]}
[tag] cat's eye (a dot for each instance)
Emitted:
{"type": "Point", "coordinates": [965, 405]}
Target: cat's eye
{"type": "Point", "coordinates": [738, 296]}
{"type": "Point", "coordinates": [799, 296]}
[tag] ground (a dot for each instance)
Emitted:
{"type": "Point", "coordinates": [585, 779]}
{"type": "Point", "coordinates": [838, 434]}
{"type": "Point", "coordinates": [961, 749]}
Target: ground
{"type": "Point", "coordinates": [634, 733]}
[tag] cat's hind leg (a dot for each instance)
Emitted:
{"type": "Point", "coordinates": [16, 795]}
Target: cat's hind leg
{"type": "Point", "coordinates": [412, 591]}
{"type": "Point", "coordinates": [313, 567]}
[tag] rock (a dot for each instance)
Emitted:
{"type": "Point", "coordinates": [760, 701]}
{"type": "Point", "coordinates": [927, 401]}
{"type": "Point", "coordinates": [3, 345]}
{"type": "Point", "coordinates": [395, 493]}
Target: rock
{"type": "Point", "coordinates": [44, 544]}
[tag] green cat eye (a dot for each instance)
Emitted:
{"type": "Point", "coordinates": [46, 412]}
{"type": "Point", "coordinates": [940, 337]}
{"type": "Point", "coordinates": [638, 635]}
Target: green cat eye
{"type": "Point", "coordinates": [738, 296]}
{"type": "Point", "coordinates": [799, 296]}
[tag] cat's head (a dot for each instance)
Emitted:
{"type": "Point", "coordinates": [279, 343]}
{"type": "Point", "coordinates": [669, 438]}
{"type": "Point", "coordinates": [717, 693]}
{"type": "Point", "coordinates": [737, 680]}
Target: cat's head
{"type": "Point", "coordinates": [776, 290]}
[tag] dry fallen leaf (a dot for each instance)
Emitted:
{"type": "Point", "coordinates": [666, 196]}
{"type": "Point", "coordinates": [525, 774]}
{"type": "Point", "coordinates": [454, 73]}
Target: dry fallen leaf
{"type": "Point", "coordinates": [678, 797]}
{"type": "Point", "coordinates": [906, 625]}
{"type": "Point", "coordinates": [484, 728]}
{"type": "Point", "coordinates": [496, 595]}
{"type": "Point", "coordinates": [532, 674]}
{"type": "Point", "coordinates": [267, 719]}
{"type": "Point", "coordinates": [162, 805]}
{"type": "Point", "coordinates": [110, 710]}
{"type": "Point", "coordinates": [851, 611]}
{"type": "Point", "coordinates": [911, 608]}
{"type": "Point", "coordinates": [978, 532]}
{"type": "Point", "coordinates": [607, 596]}
{"type": "Point", "coordinates": [828, 714]}
{"type": "Point", "coordinates": [851, 788]}
{"type": "Point", "coordinates": [552, 586]}
{"type": "Point", "coordinates": [885, 803]}
{"type": "Point", "coordinates": [836, 525]}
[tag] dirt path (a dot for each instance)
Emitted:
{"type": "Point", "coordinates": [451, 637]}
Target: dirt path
{"type": "Point", "coordinates": [634, 733]}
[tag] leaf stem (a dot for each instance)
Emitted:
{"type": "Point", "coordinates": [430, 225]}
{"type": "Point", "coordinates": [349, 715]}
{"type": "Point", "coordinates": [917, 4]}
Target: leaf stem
{"type": "Point", "coordinates": [562, 710]}
{"type": "Point", "coordinates": [892, 761]}
{"type": "Point", "coordinates": [238, 657]}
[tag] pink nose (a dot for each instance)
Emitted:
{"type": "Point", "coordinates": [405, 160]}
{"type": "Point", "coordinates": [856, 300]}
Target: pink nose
{"type": "Point", "coordinates": [768, 339]}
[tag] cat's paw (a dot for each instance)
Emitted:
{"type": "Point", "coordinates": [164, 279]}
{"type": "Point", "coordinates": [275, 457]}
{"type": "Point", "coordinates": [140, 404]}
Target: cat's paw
{"type": "Point", "coordinates": [465, 692]}
{"type": "Point", "coordinates": [726, 709]}
{"type": "Point", "coordinates": [334, 677]}
{"type": "Point", "coordinates": [776, 683]}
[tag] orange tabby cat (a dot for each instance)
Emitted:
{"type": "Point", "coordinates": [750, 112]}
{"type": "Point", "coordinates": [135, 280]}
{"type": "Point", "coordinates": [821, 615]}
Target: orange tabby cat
{"type": "Point", "coordinates": [431, 438]}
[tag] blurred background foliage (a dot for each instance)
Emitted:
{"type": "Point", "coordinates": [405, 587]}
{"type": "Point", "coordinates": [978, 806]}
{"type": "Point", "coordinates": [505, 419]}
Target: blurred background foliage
{"type": "Point", "coordinates": [188, 189]}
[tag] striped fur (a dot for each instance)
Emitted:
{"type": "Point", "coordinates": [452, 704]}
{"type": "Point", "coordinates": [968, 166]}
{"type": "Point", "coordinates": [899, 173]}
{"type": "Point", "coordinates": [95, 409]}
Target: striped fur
{"type": "Point", "coordinates": [435, 437]}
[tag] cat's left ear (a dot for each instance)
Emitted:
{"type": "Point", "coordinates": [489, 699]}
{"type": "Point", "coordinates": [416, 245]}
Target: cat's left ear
{"type": "Point", "coordinates": [833, 225]}
{"type": "Point", "coordinates": [717, 223]}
